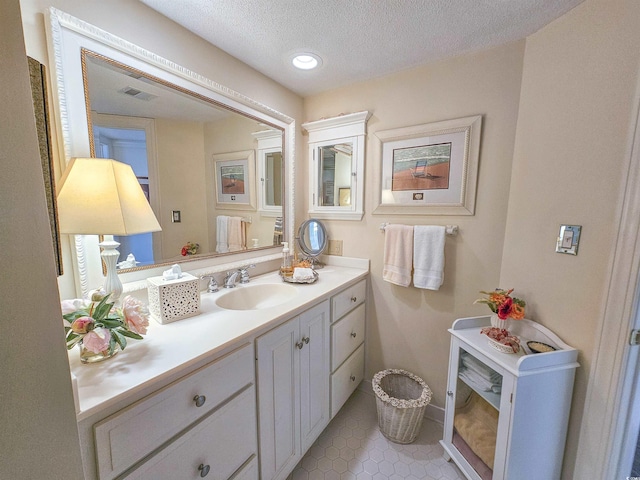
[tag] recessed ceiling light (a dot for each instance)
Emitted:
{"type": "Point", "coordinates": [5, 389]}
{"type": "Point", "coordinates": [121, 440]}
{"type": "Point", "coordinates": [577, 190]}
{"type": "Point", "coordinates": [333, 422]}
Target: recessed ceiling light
{"type": "Point", "coordinates": [306, 61]}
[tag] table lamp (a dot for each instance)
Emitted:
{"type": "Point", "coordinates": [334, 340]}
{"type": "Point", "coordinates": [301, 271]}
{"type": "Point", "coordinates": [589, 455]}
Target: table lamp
{"type": "Point", "coordinates": [103, 197]}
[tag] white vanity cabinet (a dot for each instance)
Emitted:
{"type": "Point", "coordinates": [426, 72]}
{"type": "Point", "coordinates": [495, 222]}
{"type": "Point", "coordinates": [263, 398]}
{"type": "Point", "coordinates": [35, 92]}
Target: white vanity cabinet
{"type": "Point", "coordinates": [347, 343]}
{"type": "Point", "coordinates": [506, 414]}
{"type": "Point", "coordinates": [293, 389]}
{"type": "Point", "coordinates": [206, 419]}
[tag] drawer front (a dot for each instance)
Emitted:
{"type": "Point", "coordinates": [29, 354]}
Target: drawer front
{"type": "Point", "coordinates": [346, 379]}
{"type": "Point", "coordinates": [217, 447]}
{"type": "Point", "coordinates": [133, 433]}
{"type": "Point", "coordinates": [249, 471]}
{"type": "Point", "coordinates": [348, 300]}
{"type": "Point", "coordinates": [346, 336]}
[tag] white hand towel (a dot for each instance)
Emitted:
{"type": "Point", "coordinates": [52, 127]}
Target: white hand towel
{"type": "Point", "coordinates": [398, 253]}
{"type": "Point", "coordinates": [428, 256]}
{"type": "Point", "coordinates": [222, 224]}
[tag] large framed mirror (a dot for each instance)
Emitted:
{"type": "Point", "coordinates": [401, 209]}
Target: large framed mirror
{"type": "Point", "coordinates": [188, 139]}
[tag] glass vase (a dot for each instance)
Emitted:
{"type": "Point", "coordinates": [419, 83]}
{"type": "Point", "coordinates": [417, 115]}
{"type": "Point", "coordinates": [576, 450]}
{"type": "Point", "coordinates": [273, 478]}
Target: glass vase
{"type": "Point", "coordinates": [87, 356]}
{"type": "Point", "coordinates": [497, 322]}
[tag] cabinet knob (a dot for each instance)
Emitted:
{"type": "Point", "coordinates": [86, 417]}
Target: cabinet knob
{"type": "Point", "coordinates": [199, 399]}
{"type": "Point", "coordinates": [353, 378]}
{"type": "Point", "coordinates": [354, 299]}
{"type": "Point", "coordinates": [300, 345]}
{"type": "Point", "coordinates": [204, 470]}
{"type": "Point", "coordinates": [306, 340]}
{"type": "Point", "coordinates": [450, 393]}
{"type": "Point", "coordinates": [354, 334]}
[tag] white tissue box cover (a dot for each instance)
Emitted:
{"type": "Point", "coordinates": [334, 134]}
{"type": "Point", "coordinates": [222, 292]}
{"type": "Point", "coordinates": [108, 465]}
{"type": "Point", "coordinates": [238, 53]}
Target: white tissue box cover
{"type": "Point", "coordinates": [171, 300]}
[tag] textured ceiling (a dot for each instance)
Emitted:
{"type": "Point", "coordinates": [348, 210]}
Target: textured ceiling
{"type": "Point", "coordinates": [356, 39]}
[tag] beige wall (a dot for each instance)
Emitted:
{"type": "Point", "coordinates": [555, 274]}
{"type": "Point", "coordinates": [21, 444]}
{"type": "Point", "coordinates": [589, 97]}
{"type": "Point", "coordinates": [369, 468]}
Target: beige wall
{"type": "Point", "coordinates": [37, 417]}
{"type": "Point", "coordinates": [182, 179]}
{"type": "Point", "coordinates": [579, 81]}
{"type": "Point", "coordinates": [407, 327]}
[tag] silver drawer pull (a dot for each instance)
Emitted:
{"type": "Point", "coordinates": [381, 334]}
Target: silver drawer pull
{"type": "Point", "coordinates": [354, 334]}
{"type": "Point", "coordinates": [199, 399]}
{"type": "Point", "coordinates": [353, 378]}
{"type": "Point", "coordinates": [204, 470]}
{"type": "Point", "coordinates": [354, 299]}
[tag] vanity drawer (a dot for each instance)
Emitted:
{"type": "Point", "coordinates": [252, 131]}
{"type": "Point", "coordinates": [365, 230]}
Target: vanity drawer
{"type": "Point", "coordinates": [348, 299]}
{"type": "Point", "coordinates": [133, 433]}
{"type": "Point", "coordinates": [346, 335]}
{"type": "Point", "coordinates": [346, 379]}
{"type": "Point", "coordinates": [217, 447]}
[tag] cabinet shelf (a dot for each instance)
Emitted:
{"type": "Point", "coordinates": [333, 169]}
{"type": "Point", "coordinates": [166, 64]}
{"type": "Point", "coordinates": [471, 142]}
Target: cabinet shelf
{"type": "Point", "coordinates": [491, 397]}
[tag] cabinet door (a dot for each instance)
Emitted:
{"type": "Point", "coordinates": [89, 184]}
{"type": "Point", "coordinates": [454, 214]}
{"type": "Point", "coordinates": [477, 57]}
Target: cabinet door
{"type": "Point", "coordinates": [278, 374]}
{"type": "Point", "coordinates": [477, 413]}
{"type": "Point", "coordinates": [314, 373]}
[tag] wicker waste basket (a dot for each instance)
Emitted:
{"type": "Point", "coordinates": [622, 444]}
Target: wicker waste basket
{"type": "Point", "coordinates": [401, 399]}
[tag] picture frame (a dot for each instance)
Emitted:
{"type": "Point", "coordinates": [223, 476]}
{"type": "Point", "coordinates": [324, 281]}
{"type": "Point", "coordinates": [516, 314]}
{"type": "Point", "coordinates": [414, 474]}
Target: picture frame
{"type": "Point", "coordinates": [344, 197]}
{"type": "Point", "coordinates": [429, 169]}
{"type": "Point", "coordinates": [234, 180]}
{"type": "Point", "coordinates": [39, 93]}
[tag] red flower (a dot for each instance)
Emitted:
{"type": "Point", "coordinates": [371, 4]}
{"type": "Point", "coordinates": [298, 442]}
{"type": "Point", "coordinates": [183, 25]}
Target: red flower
{"type": "Point", "coordinates": [184, 251]}
{"type": "Point", "coordinates": [504, 310]}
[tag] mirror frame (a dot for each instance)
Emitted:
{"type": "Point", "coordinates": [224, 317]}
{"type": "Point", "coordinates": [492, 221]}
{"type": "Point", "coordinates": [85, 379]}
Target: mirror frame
{"type": "Point", "coordinates": [67, 35]}
{"type": "Point", "coordinates": [302, 243]}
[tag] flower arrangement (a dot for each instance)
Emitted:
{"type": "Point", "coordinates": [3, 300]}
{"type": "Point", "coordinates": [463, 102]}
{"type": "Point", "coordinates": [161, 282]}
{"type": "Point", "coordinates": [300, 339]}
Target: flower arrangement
{"type": "Point", "coordinates": [503, 304]}
{"type": "Point", "coordinates": [190, 249]}
{"type": "Point", "coordinates": [101, 327]}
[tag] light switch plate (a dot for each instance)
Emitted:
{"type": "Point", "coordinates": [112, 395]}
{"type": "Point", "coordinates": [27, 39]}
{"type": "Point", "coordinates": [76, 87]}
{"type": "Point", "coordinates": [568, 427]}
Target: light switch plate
{"type": "Point", "coordinates": [568, 239]}
{"type": "Point", "coordinates": [335, 247]}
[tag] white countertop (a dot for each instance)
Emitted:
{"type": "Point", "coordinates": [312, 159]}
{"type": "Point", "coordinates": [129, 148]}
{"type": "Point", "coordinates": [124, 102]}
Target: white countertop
{"type": "Point", "coordinates": [172, 348]}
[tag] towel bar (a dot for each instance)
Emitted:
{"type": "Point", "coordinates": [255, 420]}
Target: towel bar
{"type": "Point", "coordinates": [450, 230]}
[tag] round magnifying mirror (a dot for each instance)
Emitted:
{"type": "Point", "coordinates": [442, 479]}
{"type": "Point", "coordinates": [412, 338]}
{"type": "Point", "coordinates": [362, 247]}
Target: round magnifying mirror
{"type": "Point", "coordinates": [312, 239]}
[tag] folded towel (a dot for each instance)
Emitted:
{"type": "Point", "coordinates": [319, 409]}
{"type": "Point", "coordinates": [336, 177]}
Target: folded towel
{"type": "Point", "coordinates": [236, 235]}
{"type": "Point", "coordinates": [222, 243]}
{"type": "Point", "coordinates": [428, 256]}
{"type": "Point", "coordinates": [475, 381]}
{"type": "Point", "coordinates": [398, 252]}
{"type": "Point", "coordinates": [486, 372]}
{"type": "Point", "coordinates": [302, 274]}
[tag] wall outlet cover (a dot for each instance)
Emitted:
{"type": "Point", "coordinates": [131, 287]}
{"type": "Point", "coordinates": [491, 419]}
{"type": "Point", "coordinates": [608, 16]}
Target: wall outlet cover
{"type": "Point", "coordinates": [335, 247]}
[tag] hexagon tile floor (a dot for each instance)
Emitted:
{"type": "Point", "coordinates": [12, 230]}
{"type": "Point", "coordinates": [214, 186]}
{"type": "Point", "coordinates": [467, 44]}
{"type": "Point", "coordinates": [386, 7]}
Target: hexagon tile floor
{"type": "Point", "coordinates": [352, 448]}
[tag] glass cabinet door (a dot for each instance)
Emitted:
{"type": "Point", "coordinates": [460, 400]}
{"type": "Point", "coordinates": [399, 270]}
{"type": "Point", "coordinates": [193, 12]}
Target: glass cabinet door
{"type": "Point", "coordinates": [474, 420]}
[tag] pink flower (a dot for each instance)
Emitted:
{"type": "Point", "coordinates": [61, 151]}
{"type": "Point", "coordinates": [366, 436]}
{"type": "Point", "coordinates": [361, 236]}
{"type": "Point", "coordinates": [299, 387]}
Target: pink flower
{"type": "Point", "coordinates": [136, 315]}
{"type": "Point", "coordinates": [81, 324]}
{"type": "Point", "coordinates": [97, 340]}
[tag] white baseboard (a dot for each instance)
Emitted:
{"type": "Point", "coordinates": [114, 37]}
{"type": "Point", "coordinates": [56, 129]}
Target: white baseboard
{"type": "Point", "coordinates": [432, 412]}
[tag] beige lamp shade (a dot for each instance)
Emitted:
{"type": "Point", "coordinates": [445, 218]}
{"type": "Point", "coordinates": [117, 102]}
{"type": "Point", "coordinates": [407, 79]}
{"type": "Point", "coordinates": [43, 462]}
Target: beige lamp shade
{"type": "Point", "coordinates": [102, 196]}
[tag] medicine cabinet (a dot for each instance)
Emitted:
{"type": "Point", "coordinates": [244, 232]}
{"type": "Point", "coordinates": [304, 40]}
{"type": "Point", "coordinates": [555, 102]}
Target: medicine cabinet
{"type": "Point", "coordinates": [336, 175]}
{"type": "Point", "coordinates": [269, 172]}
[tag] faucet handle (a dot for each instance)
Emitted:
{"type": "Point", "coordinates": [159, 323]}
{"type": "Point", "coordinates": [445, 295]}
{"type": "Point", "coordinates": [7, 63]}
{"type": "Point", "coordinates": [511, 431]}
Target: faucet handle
{"type": "Point", "coordinates": [244, 273]}
{"type": "Point", "coordinates": [213, 284]}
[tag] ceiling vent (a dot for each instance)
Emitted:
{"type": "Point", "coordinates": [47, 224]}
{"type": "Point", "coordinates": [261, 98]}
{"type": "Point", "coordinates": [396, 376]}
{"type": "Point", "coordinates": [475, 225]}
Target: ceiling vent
{"type": "Point", "coordinates": [139, 94]}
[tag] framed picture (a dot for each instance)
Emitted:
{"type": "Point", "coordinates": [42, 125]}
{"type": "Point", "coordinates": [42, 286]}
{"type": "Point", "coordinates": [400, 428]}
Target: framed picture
{"type": "Point", "coordinates": [39, 93]}
{"type": "Point", "coordinates": [234, 177]}
{"type": "Point", "coordinates": [429, 169]}
{"type": "Point", "coordinates": [344, 196]}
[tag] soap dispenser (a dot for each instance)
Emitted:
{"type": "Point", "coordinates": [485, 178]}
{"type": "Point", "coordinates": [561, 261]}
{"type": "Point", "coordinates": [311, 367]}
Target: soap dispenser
{"type": "Point", "coordinates": [286, 270]}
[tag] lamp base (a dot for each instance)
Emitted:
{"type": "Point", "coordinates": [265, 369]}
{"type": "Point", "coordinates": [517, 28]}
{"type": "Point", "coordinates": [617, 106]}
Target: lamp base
{"type": "Point", "coordinates": [110, 255]}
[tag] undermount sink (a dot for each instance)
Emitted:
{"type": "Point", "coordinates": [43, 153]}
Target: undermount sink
{"type": "Point", "coordinates": [256, 297]}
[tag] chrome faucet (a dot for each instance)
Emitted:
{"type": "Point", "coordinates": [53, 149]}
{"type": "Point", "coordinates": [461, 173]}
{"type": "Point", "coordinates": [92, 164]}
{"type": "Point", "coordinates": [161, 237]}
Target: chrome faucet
{"type": "Point", "coordinates": [231, 278]}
